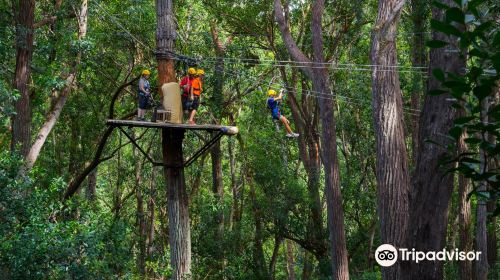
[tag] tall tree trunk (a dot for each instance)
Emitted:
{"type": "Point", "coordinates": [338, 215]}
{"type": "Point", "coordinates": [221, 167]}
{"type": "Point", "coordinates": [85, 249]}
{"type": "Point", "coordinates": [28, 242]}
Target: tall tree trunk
{"type": "Point", "coordinates": [21, 122]}
{"type": "Point", "coordinates": [432, 184]}
{"type": "Point", "coordinates": [178, 212]}
{"type": "Point", "coordinates": [140, 215]}
{"type": "Point", "coordinates": [218, 192]}
{"type": "Point", "coordinates": [234, 185]}
{"type": "Point", "coordinates": [91, 185]}
{"type": "Point", "coordinates": [215, 152]}
{"type": "Point", "coordinates": [482, 267]}
{"type": "Point", "coordinates": [56, 110]}
{"type": "Point", "coordinates": [307, 268]}
{"type": "Point", "coordinates": [290, 262]}
{"type": "Point", "coordinates": [309, 154]}
{"type": "Point", "coordinates": [492, 240]}
{"type": "Point", "coordinates": [74, 151]}
{"type": "Point", "coordinates": [464, 188]}
{"type": "Point", "coordinates": [493, 164]}
{"type": "Point", "coordinates": [259, 262]}
{"type": "Point", "coordinates": [418, 59]}
{"type": "Point", "coordinates": [151, 221]}
{"type": "Point", "coordinates": [319, 77]}
{"type": "Point", "coordinates": [392, 160]}
{"type": "Point", "coordinates": [274, 257]}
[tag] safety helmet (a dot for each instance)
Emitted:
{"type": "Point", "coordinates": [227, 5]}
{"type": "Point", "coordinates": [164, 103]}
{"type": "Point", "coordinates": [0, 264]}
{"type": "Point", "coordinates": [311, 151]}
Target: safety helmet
{"type": "Point", "coordinates": [191, 71]}
{"type": "Point", "coordinates": [200, 72]}
{"type": "Point", "coordinates": [271, 92]}
{"type": "Point", "coordinates": [146, 72]}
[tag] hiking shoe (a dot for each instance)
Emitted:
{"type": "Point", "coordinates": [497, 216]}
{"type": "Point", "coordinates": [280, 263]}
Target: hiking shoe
{"type": "Point", "coordinates": [289, 135]}
{"type": "Point", "coordinates": [295, 135]}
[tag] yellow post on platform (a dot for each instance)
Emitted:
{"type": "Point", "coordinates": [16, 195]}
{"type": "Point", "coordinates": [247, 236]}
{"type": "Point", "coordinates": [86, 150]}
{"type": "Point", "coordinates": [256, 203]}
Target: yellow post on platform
{"type": "Point", "coordinates": [172, 102]}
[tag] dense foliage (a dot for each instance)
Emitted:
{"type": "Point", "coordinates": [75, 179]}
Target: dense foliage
{"type": "Point", "coordinates": [116, 226]}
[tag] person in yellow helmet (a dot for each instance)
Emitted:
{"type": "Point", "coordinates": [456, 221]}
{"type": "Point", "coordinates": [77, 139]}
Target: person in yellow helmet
{"type": "Point", "coordinates": [273, 105]}
{"type": "Point", "coordinates": [196, 89]}
{"type": "Point", "coordinates": [144, 94]}
{"type": "Point", "coordinates": [185, 85]}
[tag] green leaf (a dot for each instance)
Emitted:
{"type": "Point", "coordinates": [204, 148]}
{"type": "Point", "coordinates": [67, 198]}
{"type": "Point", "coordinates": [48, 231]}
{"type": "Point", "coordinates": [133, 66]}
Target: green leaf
{"type": "Point", "coordinates": [472, 141]}
{"type": "Point", "coordinates": [485, 195]}
{"type": "Point", "coordinates": [438, 74]}
{"type": "Point", "coordinates": [457, 86]}
{"type": "Point", "coordinates": [463, 120]}
{"type": "Point", "coordinates": [496, 212]}
{"type": "Point", "coordinates": [457, 106]}
{"type": "Point", "coordinates": [496, 39]}
{"type": "Point", "coordinates": [458, 2]}
{"type": "Point", "coordinates": [445, 28]}
{"type": "Point", "coordinates": [496, 61]}
{"type": "Point", "coordinates": [478, 53]}
{"type": "Point", "coordinates": [435, 92]}
{"type": "Point", "coordinates": [455, 132]}
{"type": "Point", "coordinates": [436, 44]}
{"type": "Point", "coordinates": [482, 28]}
{"type": "Point", "coordinates": [482, 91]}
{"type": "Point", "coordinates": [469, 160]}
{"type": "Point", "coordinates": [440, 5]}
{"type": "Point", "coordinates": [455, 14]}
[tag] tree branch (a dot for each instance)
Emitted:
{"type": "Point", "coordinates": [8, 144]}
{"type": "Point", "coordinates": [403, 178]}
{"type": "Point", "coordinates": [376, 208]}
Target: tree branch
{"type": "Point", "coordinates": [290, 44]}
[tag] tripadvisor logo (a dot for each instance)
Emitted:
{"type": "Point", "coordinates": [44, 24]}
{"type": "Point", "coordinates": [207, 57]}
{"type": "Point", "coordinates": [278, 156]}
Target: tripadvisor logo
{"type": "Point", "coordinates": [387, 255]}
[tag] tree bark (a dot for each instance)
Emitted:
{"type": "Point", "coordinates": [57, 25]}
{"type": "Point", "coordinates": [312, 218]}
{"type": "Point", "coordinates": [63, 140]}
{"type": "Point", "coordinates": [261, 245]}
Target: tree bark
{"type": "Point", "coordinates": [259, 262]}
{"type": "Point", "coordinates": [215, 152]}
{"type": "Point", "coordinates": [492, 239]}
{"type": "Point", "coordinates": [482, 267]}
{"type": "Point", "coordinates": [91, 185]}
{"type": "Point", "coordinates": [21, 122]}
{"type": "Point", "coordinates": [319, 77]}
{"type": "Point", "coordinates": [140, 215]}
{"type": "Point", "coordinates": [392, 160]}
{"type": "Point", "coordinates": [274, 258]}
{"type": "Point", "coordinates": [432, 184]}
{"type": "Point", "coordinates": [307, 269]}
{"type": "Point", "coordinates": [151, 220]}
{"type": "Point", "coordinates": [306, 124]}
{"type": "Point", "coordinates": [290, 262]}
{"type": "Point", "coordinates": [464, 188]}
{"type": "Point", "coordinates": [178, 212]}
{"type": "Point", "coordinates": [418, 59]}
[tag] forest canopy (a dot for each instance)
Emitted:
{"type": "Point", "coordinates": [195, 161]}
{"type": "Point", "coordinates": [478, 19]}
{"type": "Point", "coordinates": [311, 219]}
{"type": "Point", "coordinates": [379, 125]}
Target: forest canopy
{"type": "Point", "coordinates": [360, 123]}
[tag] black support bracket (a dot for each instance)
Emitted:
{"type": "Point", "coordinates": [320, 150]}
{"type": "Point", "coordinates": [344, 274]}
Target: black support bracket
{"type": "Point", "coordinates": [207, 145]}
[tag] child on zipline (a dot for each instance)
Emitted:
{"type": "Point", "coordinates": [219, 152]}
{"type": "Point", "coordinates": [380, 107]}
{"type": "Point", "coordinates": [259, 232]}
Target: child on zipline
{"type": "Point", "coordinates": [273, 105]}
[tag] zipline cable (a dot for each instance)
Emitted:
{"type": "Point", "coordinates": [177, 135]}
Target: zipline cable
{"type": "Point", "coordinates": [182, 57]}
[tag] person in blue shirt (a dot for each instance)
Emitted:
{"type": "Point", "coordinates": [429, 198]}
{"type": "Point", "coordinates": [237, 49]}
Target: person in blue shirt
{"type": "Point", "coordinates": [273, 105]}
{"type": "Point", "coordinates": [144, 94]}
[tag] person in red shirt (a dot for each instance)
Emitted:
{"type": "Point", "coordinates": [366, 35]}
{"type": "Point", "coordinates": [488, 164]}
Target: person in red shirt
{"type": "Point", "coordinates": [196, 89]}
{"type": "Point", "coordinates": [185, 85]}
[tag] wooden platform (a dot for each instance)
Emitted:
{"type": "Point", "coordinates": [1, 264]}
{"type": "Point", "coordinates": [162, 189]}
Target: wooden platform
{"type": "Point", "coordinates": [226, 130]}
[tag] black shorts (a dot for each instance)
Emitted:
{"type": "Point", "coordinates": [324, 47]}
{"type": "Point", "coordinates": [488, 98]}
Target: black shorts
{"type": "Point", "coordinates": [186, 103]}
{"type": "Point", "coordinates": [143, 101]}
{"type": "Point", "coordinates": [195, 103]}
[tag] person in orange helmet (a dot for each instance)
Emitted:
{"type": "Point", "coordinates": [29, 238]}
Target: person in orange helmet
{"type": "Point", "coordinates": [185, 85]}
{"type": "Point", "coordinates": [196, 90]}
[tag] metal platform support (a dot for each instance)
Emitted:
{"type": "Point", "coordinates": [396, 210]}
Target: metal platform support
{"type": "Point", "coordinates": [174, 129]}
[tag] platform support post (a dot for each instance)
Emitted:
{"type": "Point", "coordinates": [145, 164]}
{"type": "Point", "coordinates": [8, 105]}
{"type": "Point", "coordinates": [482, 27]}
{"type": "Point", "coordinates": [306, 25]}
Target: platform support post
{"type": "Point", "coordinates": [178, 212]}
